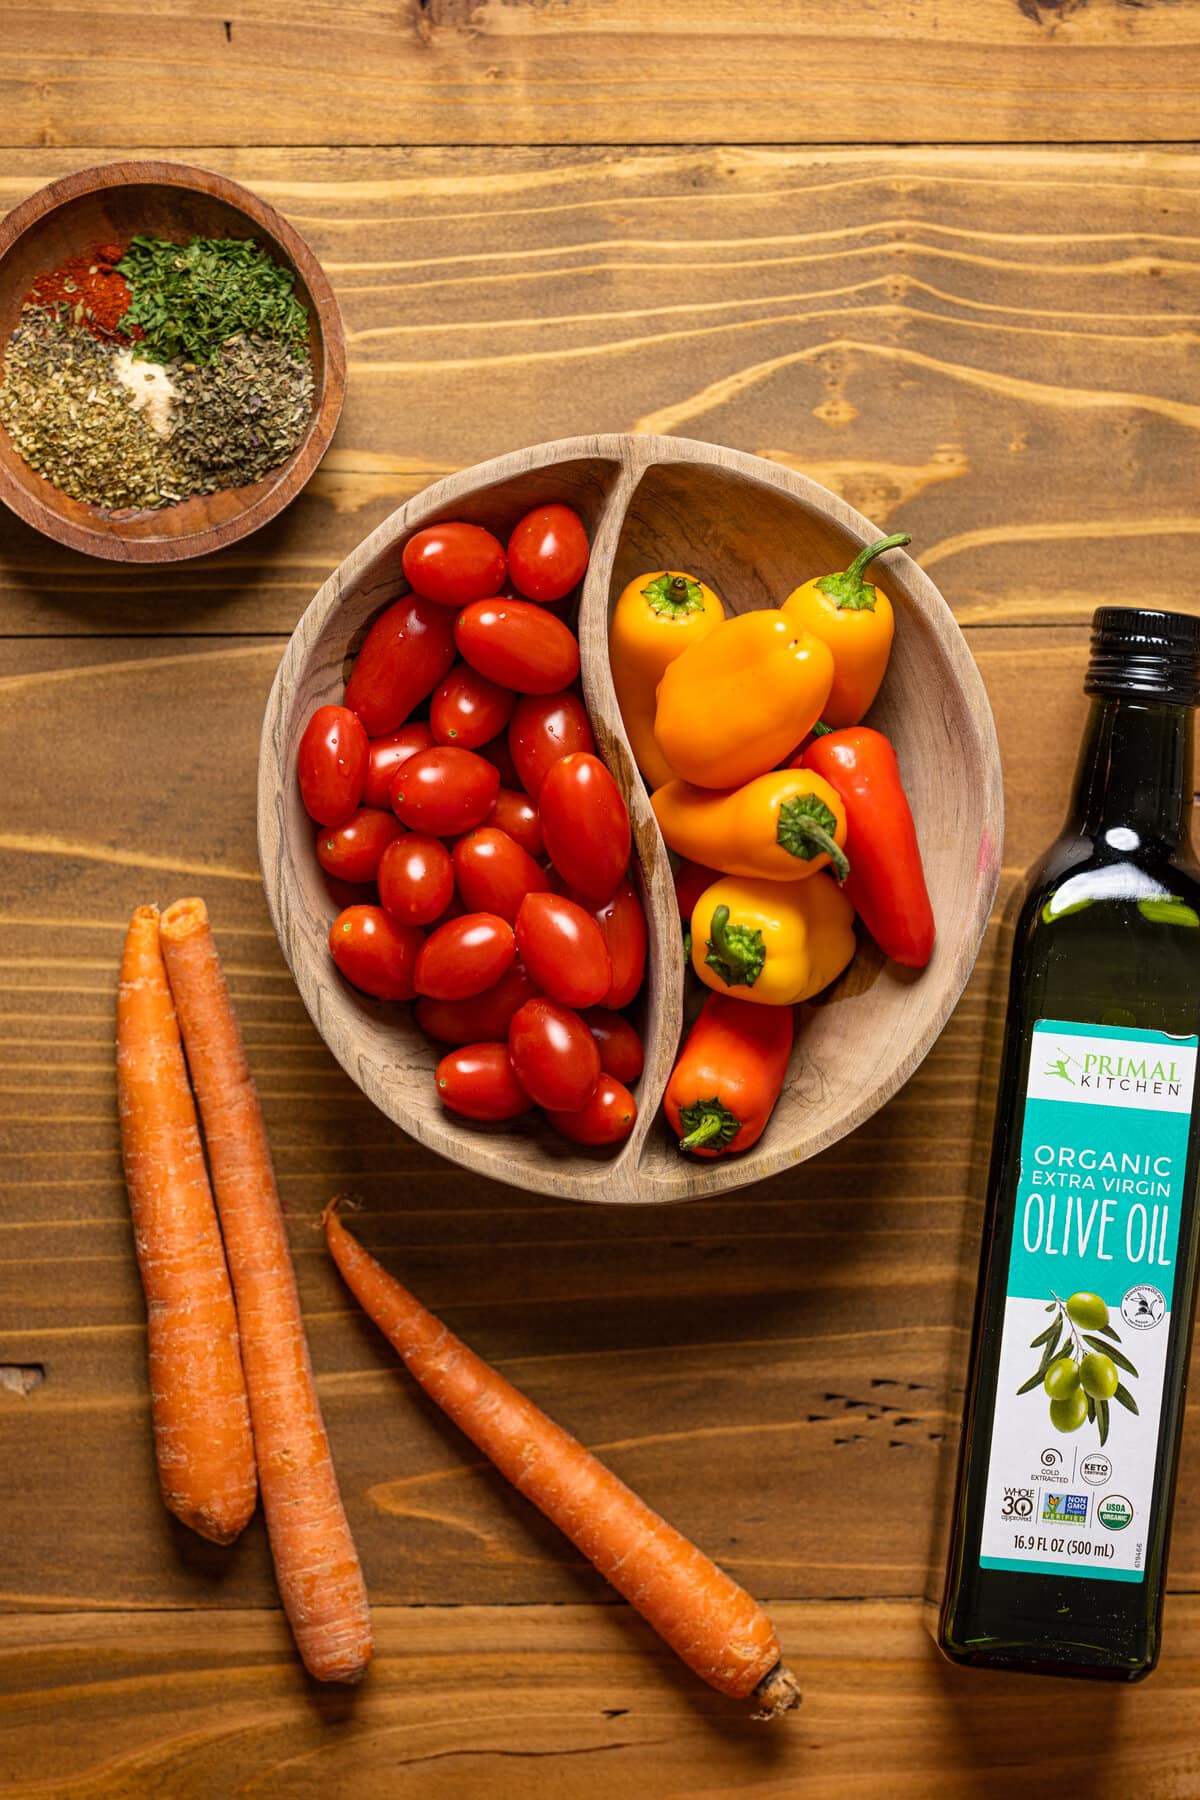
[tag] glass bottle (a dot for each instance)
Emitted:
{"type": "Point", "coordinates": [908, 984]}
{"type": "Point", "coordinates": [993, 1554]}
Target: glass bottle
{"type": "Point", "coordinates": [1088, 1273]}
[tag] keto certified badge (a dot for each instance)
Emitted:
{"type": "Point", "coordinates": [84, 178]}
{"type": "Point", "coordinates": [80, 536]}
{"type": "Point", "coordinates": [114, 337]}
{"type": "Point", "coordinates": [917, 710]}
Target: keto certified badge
{"type": "Point", "coordinates": [1114, 1512]}
{"type": "Point", "coordinates": [1095, 1469]}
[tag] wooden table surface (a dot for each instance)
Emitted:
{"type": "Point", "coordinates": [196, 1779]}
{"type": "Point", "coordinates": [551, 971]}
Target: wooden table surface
{"type": "Point", "coordinates": [942, 257]}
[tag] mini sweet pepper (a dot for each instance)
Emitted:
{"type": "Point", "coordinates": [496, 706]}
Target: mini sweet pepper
{"type": "Point", "coordinates": [783, 826]}
{"type": "Point", "coordinates": [738, 701]}
{"type": "Point", "coordinates": [887, 884]}
{"type": "Point", "coordinates": [857, 622]}
{"type": "Point", "coordinates": [654, 621]}
{"type": "Point", "coordinates": [772, 942]}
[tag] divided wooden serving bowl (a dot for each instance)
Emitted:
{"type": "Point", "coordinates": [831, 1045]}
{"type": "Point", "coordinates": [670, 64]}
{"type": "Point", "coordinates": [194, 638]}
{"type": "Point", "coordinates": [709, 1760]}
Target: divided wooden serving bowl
{"type": "Point", "coordinates": [110, 204]}
{"type": "Point", "coordinates": [754, 531]}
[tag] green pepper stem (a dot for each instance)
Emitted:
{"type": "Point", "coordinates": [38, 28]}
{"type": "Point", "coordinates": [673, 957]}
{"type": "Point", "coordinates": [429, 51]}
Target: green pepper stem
{"type": "Point", "coordinates": [709, 1127]}
{"type": "Point", "coordinates": [873, 550]}
{"type": "Point", "coordinates": [821, 729]}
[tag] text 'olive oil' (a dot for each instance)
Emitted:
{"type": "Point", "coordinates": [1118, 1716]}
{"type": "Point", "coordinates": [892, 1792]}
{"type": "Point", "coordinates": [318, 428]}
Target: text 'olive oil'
{"type": "Point", "coordinates": [1088, 1278]}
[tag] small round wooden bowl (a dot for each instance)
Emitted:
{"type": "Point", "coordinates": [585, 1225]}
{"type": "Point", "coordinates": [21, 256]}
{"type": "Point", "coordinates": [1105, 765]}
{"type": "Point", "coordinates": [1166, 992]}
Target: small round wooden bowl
{"type": "Point", "coordinates": [753, 531]}
{"type": "Point", "coordinates": [111, 204]}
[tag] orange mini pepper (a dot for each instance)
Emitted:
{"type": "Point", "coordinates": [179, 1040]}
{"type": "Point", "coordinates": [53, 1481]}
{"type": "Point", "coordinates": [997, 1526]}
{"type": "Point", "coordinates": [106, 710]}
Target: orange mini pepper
{"type": "Point", "coordinates": [740, 700]}
{"type": "Point", "coordinates": [782, 826]}
{"type": "Point", "coordinates": [857, 622]}
{"type": "Point", "coordinates": [654, 621]}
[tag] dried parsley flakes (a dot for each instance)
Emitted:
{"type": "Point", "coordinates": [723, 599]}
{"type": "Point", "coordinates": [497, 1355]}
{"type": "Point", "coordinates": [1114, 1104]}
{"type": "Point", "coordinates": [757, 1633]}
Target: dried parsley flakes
{"type": "Point", "coordinates": [190, 298]}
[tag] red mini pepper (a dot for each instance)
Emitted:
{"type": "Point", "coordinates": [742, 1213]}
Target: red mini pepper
{"type": "Point", "coordinates": [886, 883]}
{"type": "Point", "coordinates": [729, 1075]}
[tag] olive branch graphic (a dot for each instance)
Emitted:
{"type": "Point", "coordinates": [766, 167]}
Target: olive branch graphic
{"type": "Point", "coordinates": [1079, 1363]}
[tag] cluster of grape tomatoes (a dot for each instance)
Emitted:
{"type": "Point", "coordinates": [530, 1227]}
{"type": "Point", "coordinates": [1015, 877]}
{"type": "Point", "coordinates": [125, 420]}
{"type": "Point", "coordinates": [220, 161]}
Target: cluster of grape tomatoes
{"type": "Point", "coordinates": [458, 788]}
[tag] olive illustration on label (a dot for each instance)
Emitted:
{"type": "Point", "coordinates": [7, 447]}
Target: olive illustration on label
{"type": "Point", "coordinates": [1081, 1364]}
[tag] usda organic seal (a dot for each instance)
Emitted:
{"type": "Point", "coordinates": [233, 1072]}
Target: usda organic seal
{"type": "Point", "coordinates": [1114, 1512]}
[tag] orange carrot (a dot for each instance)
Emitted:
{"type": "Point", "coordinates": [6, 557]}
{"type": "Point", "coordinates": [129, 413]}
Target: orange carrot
{"type": "Point", "coordinates": [706, 1618]}
{"type": "Point", "coordinates": [197, 1390]}
{"type": "Point", "coordinates": [316, 1565]}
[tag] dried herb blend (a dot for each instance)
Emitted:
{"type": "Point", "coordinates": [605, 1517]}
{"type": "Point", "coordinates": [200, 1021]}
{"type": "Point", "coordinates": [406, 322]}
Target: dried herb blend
{"type": "Point", "coordinates": [140, 375]}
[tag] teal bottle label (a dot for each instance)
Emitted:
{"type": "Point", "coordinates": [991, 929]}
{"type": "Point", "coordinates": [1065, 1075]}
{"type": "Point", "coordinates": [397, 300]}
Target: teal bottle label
{"type": "Point", "coordinates": [1087, 1320]}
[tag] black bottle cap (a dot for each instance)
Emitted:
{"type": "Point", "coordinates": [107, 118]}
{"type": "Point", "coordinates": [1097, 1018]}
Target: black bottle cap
{"type": "Point", "coordinates": [1142, 654]}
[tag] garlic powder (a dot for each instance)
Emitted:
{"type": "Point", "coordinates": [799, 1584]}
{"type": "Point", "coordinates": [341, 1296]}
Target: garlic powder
{"type": "Point", "coordinates": [150, 387]}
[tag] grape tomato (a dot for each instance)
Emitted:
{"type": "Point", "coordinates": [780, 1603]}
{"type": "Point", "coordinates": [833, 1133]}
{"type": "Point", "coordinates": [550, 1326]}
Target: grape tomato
{"type": "Point", "coordinates": [585, 824]}
{"type": "Point", "coordinates": [464, 957]}
{"type": "Point", "coordinates": [352, 851]}
{"type": "Point", "coordinates": [331, 764]}
{"type": "Point", "coordinates": [454, 562]}
{"type": "Point", "coordinates": [416, 879]}
{"type": "Point", "coordinates": [563, 949]}
{"type": "Point", "coordinates": [385, 754]}
{"type": "Point", "coordinates": [606, 1118]}
{"type": "Point", "coordinates": [619, 1045]}
{"type": "Point", "coordinates": [517, 816]}
{"type": "Point", "coordinates": [374, 953]}
{"type": "Point", "coordinates": [478, 1082]}
{"type": "Point", "coordinates": [517, 645]}
{"type": "Point", "coordinates": [494, 874]}
{"type": "Point", "coordinates": [445, 791]}
{"type": "Point", "coordinates": [554, 1055]}
{"type": "Point", "coordinates": [548, 553]}
{"type": "Point", "coordinates": [544, 728]}
{"type": "Point", "coordinates": [480, 1017]}
{"type": "Point", "coordinates": [404, 655]}
{"type": "Point", "coordinates": [468, 709]}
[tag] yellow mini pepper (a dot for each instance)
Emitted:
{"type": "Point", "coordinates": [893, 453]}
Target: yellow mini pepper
{"type": "Point", "coordinates": [857, 622]}
{"type": "Point", "coordinates": [655, 620]}
{"type": "Point", "coordinates": [734, 704]}
{"type": "Point", "coordinates": [772, 942]}
{"type": "Point", "coordinates": [783, 826]}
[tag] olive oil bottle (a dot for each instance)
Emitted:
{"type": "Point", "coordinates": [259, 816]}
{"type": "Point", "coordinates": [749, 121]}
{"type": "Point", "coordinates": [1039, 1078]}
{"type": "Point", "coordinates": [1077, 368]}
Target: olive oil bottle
{"type": "Point", "coordinates": [1088, 1278]}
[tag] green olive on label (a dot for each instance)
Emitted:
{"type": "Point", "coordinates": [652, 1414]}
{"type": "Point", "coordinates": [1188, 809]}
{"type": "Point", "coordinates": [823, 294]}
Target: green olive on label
{"type": "Point", "coordinates": [1062, 1378]}
{"type": "Point", "coordinates": [1088, 1311]}
{"type": "Point", "coordinates": [1069, 1414]}
{"type": "Point", "coordinates": [1098, 1376]}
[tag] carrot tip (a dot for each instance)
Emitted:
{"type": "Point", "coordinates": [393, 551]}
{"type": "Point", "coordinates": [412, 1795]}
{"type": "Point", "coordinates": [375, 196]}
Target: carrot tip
{"type": "Point", "coordinates": [183, 917]}
{"type": "Point", "coordinates": [776, 1693]}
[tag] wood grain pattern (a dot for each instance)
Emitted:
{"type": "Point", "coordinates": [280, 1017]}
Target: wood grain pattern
{"type": "Point", "coordinates": [993, 350]}
{"type": "Point", "coordinates": [117, 201]}
{"type": "Point", "coordinates": [539, 1703]}
{"type": "Point", "coordinates": [599, 71]}
{"type": "Point", "coordinates": [754, 532]}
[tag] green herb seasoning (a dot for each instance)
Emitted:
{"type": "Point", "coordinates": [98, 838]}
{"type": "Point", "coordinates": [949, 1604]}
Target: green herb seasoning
{"type": "Point", "coordinates": [189, 299]}
{"type": "Point", "coordinates": [242, 415]}
{"type": "Point", "coordinates": [74, 424]}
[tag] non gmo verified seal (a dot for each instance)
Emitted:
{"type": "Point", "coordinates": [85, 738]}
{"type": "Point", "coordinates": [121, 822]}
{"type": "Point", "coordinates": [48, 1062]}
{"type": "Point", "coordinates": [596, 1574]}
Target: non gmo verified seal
{"type": "Point", "coordinates": [1114, 1512]}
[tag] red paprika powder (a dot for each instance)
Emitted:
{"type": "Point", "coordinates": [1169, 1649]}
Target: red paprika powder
{"type": "Point", "coordinates": [90, 288]}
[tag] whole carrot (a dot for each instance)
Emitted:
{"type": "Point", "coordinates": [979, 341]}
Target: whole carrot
{"type": "Point", "coordinates": [316, 1565]}
{"type": "Point", "coordinates": [197, 1390]}
{"type": "Point", "coordinates": [701, 1612]}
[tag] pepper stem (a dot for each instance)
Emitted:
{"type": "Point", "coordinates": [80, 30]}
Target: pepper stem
{"type": "Point", "coordinates": [871, 551]}
{"type": "Point", "coordinates": [708, 1128]}
{"type": "Point", "coordinates": [673, 596]}
{"type": "Point", "coordinates": [736, 952]}
{"type": "Point", "coordinates": [805, 829]}
{"type": "Point", "coordinates": [708, 1124]}
{"type": "Point", "coordinates": [847, 589]}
